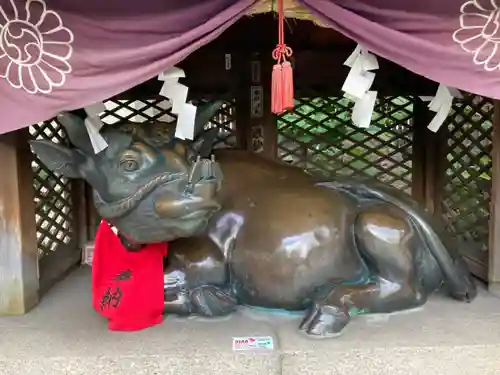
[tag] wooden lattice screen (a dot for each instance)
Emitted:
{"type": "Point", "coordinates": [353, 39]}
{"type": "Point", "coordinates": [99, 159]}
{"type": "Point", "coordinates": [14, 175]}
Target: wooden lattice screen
{"type": "Point", "coordinates": [318, 136]}
{"type": "Point", "coordinates": [53, 196]}
{"type": "Point", "coordinates": [225, 120]}
{"type": "Point", "coordinates": [160, 109]}
{"type": "Point", "coordinates": [466, 196]}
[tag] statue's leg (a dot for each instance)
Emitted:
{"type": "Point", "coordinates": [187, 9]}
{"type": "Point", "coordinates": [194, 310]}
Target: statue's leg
{"type": "Point", "coordinates": [203, 300]}
{"type": "Point", "coordinates": [196, 279]}
{"type": "Point", "coordinates": [458, 281]}
{"type": "Point", "coordinates": [389, 246]}
{"type": "Point", "coordinates": [211, 301]}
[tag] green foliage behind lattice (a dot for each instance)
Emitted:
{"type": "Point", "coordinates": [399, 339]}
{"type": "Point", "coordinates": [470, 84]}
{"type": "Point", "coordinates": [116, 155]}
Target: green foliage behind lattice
{"type": "Point", "coordinates": [318, 135]}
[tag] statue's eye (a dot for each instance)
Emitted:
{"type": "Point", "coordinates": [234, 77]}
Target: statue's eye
{"type": "Point", "coordinates": [129, 165]}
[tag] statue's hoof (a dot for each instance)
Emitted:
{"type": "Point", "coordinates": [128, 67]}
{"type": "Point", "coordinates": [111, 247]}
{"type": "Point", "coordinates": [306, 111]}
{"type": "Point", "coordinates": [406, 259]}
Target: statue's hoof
{"type": "Point", "coordinates": [211, 301]}
{"type": "Point", "coordinates": [324, 321]}
{"type": "Point", "coordinates": [462, 286]}
{"type": "Point", "coordinates": [177, 303]}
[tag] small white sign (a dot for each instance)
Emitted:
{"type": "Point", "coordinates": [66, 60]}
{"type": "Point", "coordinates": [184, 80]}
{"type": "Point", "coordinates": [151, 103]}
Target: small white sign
{"type": "Point", "coordinates": [253, 343]}
{"type": "Point", "coordinates": [88, 254]}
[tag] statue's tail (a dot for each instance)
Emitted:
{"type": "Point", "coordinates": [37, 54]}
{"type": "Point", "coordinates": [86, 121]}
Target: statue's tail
{"type": "Point", "coordinates": [457, 278]}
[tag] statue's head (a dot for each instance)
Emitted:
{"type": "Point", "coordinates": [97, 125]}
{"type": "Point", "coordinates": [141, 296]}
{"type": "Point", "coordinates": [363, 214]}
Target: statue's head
{"type": "Point", "coordinates": [144, 182]}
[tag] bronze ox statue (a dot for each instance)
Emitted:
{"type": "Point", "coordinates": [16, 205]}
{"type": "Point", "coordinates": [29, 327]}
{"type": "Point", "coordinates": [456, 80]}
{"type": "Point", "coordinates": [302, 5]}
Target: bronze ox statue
{"type": "Point", "coordinates": [267, 234]}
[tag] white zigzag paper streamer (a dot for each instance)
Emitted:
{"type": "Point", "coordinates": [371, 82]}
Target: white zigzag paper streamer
{"type": "Point", "coordinates": [93, 124]}
{"type": "Point", "coordinates": [441, 103]}
{"type": "Point", "coordinates": [177, 93]}
{"type": "Point", "coordinates": [358, 83]}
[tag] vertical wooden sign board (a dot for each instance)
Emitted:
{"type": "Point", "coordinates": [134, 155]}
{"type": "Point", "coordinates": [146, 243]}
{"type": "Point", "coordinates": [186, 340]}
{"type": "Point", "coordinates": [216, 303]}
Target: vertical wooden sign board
{"type": "Point", "coordinates": [261, 133]}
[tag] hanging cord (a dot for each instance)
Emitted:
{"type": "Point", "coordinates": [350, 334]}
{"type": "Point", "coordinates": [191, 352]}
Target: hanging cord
{"type": "Point", "coordinates": [282, 78]}
{"type": "Point", "coordinates": [282, 51]}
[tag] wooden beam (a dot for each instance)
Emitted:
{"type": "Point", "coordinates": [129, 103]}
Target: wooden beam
{"type": "Point", "coordinates": [494, 232]}
{"type": "Point", "coordinates": [260, 31]}
{"type": "Point", "coordinates": [206, 74]}
{"type": "Point", "coordinates": [391, 79]}
{"type": "Point", "coordinates": [19, 285]}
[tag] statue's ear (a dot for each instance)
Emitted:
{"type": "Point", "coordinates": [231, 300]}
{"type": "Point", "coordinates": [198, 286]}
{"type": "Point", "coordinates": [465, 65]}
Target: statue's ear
{"type": "Point", "coordinates": [58, 158]}
{"type": "Point", "coordinates": [204, 142]}
{"type": "Point", "coordinates": [74, 124]}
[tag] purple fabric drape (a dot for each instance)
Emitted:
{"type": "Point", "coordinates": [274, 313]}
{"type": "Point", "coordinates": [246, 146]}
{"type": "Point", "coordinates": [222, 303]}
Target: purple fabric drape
{"type": "Point", "coordinates": [454, 42]}
{"type": "Point", "coordinates": [65, 54]}
{"type": "Point", "coordinates": [60, 54]}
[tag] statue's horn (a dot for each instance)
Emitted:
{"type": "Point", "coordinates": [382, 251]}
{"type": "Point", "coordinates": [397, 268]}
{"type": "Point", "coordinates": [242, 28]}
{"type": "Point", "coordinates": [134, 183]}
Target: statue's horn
{"type": "Point", "coordinates": [76, 130]}
{"type": "Point", "coordinates": [205, 112]}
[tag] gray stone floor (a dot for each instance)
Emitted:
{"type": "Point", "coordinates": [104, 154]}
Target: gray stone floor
{"type": "Point", "coordinates": [63, 335]}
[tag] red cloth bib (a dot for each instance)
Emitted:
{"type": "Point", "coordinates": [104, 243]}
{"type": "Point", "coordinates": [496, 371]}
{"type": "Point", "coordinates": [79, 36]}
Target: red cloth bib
{"type": "Point", "coordinates": [127, 287]}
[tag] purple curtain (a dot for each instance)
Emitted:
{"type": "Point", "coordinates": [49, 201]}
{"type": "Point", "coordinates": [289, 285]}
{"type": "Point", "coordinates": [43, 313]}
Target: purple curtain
{"type": "Point", "coordinates": [65, 54]}
{"type": "Point", "coordinates": [454, 42]}
{"type": "Point", "coordinates": [60, 54]}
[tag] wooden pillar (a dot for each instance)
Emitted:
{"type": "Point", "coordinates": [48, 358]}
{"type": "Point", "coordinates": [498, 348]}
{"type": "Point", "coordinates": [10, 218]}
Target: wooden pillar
{"type": "Point", "coordinates": [419, 157]}
{"type": "Point", "coordinates": [436, 166]}
{"type": "Point", "coordinates": [19, 285]}
{"type": "Point", "coordinates": [494, 230]}
{"type": "Point", "coordinates": [242, 67]}
{"type": "Point", "coordinates": [269, 120]}
{"type": "Point", "coordinates": [429, 160]}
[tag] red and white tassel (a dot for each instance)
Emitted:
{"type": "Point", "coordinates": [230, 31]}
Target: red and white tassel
{"type": "Point", "coordinates": [277, 105]}
{"type": "Point", "coordinates": [287, 77]}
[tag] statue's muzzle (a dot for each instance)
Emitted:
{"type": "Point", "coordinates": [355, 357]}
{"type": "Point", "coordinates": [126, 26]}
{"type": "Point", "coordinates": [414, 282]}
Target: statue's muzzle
{"type": "Point", "coordinates": [189, 207]}
{"type": "Point", "coordinates": [198, 199]}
